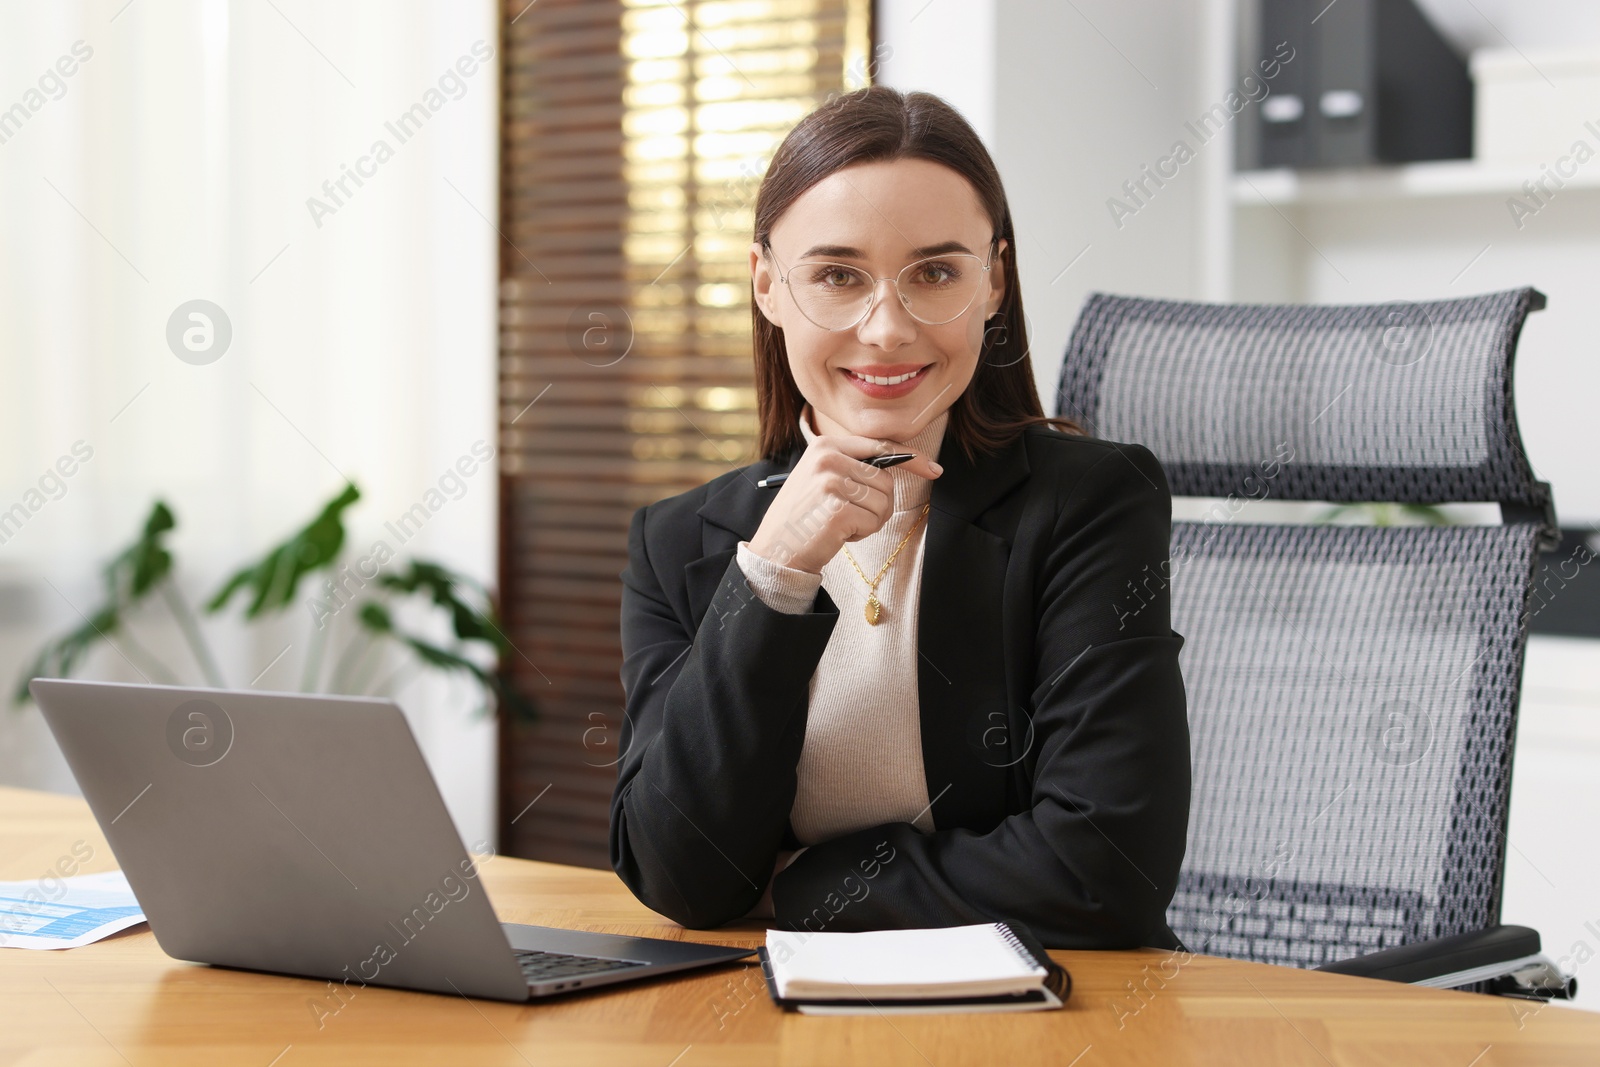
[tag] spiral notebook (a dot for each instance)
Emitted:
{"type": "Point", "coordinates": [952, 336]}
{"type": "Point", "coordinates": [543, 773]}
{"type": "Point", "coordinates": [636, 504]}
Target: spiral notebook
{"type": "Point", "coordinates": [984, 967]}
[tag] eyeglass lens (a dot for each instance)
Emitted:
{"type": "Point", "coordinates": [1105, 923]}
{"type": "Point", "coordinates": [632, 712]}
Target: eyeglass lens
{"type": "Point", "coordinates": [934, 291]}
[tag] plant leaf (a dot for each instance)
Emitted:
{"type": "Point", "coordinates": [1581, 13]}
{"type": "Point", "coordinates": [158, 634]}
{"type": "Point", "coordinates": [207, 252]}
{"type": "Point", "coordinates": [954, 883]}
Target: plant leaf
{"type": "Point", "coordinates": [142, 566]}
{"type": "Point", "coordinates": [444, 586]}
{"type": "Point", "coordinates": [375, 617]}
{"type": "Point", "coordinates": [1383, 514]}
{"type": "Point", "coordinates": [444, 659]}
{"type": "Point", "coordinates": [1427, 513]}
{"type": "Point", "coordinates": [60, 657]}
{"type": "Point", "coordinates": [131, 575]}
{"type": "Point", "coordinates": [276, 576]}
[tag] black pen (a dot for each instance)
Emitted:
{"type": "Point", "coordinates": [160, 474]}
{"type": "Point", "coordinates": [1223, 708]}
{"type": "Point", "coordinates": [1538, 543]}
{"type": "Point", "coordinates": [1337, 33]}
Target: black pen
{"type": "Point", "coordinates": [888, 460]}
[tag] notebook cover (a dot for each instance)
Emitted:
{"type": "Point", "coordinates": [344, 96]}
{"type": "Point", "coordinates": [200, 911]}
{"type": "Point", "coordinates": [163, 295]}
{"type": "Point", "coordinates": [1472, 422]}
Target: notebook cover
{"type": "Point", "coordinates": [1057, 986]}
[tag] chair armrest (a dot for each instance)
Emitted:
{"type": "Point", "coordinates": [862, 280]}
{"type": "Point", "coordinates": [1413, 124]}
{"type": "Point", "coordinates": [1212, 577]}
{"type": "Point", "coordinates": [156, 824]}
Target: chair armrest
{"type": "Point", "coordinates": [1462, 959]}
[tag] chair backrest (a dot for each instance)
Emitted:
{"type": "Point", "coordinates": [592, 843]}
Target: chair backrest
{"type": "Point", "coordinates": [1352, 689]}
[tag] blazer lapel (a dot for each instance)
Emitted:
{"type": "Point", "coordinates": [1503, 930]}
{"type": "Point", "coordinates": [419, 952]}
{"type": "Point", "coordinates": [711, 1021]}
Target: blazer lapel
{"type": "Point", "coordinates": [961, 645]}
{"type": "Point", "coordinates": [732, 514]}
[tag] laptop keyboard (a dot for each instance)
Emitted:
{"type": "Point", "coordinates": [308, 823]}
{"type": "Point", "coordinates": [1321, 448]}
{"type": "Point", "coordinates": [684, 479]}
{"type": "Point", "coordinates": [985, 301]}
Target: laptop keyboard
{"type": "Point", "coordinates": [540, 966]}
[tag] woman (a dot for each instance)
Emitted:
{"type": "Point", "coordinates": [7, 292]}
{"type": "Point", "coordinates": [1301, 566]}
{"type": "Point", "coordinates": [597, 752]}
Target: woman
{"type": "Point", "coordinates": [916, 696]}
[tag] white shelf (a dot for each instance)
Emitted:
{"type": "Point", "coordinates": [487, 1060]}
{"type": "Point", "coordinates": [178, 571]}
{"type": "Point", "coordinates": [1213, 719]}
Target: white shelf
{"type": "Point", "coordinates": [1454, 177]}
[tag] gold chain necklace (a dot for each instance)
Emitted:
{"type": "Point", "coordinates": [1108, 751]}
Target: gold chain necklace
{"type": "Point", "coordinates": [874, 609]}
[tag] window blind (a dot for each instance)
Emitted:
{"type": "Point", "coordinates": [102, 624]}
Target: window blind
{"type": "Point", "coordinates": [634, 136]}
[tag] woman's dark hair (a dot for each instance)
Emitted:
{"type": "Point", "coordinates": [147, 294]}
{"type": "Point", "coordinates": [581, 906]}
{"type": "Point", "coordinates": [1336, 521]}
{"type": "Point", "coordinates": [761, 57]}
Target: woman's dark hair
{"type": "Point", "coordinates": [882, 124]}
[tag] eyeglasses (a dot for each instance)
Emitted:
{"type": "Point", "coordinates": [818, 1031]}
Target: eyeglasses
{"type": "Point", "coordinates": [836, 296]}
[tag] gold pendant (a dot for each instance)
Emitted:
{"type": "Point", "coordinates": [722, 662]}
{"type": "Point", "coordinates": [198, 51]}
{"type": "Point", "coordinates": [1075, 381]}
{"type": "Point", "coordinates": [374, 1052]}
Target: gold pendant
{"type": "Point", "coordinates": [874, 609]}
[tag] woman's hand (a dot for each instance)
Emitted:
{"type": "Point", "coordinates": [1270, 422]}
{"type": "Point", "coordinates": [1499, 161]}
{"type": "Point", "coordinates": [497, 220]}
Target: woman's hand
{"type": "Point", "coordinates": [831, 497]}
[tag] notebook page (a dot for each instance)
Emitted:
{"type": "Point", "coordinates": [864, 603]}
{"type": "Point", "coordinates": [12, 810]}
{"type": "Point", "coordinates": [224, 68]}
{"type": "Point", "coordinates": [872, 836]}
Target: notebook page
{"type": "Point", "coordinates": [966, 957]}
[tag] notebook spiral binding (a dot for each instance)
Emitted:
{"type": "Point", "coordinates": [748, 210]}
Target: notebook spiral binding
{"type": "Point", "coordinates": [1010, 937]}
{"type": "Point", "coordinates": [1028, 946]}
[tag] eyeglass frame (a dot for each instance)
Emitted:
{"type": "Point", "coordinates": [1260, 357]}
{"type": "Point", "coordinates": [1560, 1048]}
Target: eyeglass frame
{"type": "Point", "coordinates": [872, 302]}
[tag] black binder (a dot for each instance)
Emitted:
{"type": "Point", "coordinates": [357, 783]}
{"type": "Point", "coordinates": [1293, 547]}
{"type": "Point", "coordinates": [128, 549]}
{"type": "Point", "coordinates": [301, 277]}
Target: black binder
{"type": "Point", "coordinates": [1375, 81]}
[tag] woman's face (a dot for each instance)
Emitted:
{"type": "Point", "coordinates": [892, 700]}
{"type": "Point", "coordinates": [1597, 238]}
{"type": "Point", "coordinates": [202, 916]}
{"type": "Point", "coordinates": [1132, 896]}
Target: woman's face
{"type": "Point", "coordinates": [880, 216]}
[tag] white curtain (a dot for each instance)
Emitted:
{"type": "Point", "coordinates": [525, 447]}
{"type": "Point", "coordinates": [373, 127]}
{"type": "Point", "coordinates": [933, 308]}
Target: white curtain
{"type": "Point", "coordinates": [326, 174]}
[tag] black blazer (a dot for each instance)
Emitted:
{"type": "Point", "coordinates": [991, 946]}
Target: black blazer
{"type": "Point", "coordinates": [1054, 726]}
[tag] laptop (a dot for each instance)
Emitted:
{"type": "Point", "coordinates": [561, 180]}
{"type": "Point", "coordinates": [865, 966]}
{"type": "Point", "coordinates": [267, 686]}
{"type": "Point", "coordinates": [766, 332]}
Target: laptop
{"type": "Point", "coordinates": [303, 834]}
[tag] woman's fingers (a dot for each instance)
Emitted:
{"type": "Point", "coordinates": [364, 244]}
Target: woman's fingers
{"type": "Point", "coordinates": [833, 496]}
{"type": "Point", "coordinates": [864, 448]}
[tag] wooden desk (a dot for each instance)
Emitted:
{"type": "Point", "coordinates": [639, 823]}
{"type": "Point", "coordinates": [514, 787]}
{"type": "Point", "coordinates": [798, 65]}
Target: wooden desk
{"type": "Point", "coordinates": [123, 1002]}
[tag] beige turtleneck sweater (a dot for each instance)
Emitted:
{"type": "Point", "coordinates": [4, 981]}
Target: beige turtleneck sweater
{"type": "Point", "coordinates": [861, 764]}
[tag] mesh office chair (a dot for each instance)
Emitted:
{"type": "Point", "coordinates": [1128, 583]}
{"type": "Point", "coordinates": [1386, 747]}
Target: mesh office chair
{"type": "Point", "coordinates": [1352, 689]}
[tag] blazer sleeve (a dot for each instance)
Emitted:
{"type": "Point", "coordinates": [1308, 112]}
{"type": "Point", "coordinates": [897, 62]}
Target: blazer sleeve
{"type": "Point", "coordinates": [1094, 862]}
{"type": "Point", "coordinates": [714, 723]}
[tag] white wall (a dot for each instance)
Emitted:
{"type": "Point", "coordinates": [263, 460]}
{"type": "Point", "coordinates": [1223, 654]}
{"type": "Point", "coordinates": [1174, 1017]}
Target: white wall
{"type": "Point", "coordinates": [1087, 96]}
{"type": "Point", "coordinates": [1470, 24]}
{"type": "Point", "coordinates": [177, 163]}
{"type": "Point", "coordinates": [945, 47]}
{"type": "Point", "coordinates": [1551, 865]}
{"type": "Point", "coordinates": [1082, 97]}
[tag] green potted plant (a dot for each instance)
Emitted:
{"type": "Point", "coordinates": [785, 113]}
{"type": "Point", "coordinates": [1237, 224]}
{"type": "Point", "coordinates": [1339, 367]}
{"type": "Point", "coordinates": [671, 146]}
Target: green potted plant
{"type": "Point", "coordinates": [144, 571]}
